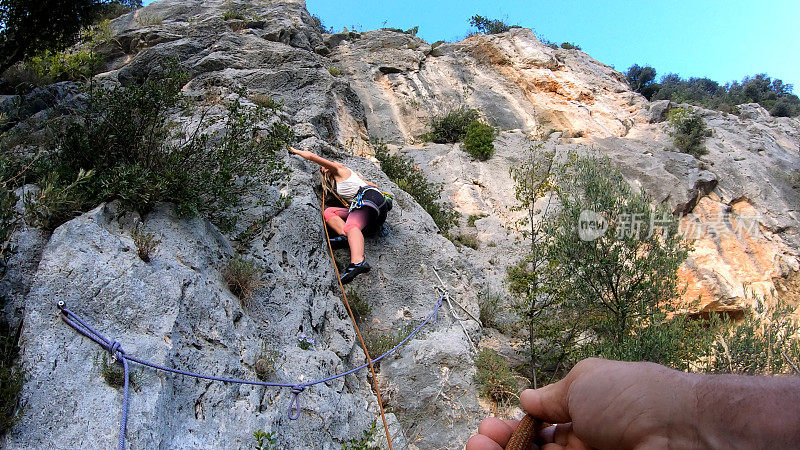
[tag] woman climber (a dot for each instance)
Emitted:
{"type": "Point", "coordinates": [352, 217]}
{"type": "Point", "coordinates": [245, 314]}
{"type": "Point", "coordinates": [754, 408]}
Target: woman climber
{"type": "Point", "coordinates": [365, 215]}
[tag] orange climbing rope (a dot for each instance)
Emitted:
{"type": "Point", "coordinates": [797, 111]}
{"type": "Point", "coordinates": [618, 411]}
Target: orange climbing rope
{"type": "Point", "coordinates": [355, 325]}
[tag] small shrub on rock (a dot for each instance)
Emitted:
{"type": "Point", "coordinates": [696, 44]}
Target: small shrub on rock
{"type": "Point", "coordinates": [145, 242]}
{"type": "Point", "coordinates": [358, 304]}
{"type": "Point", "coordinates": [490, 26]}
{"type": "Point", "coordinates": [570, 46]}
{"type": "Point", "coordinates": [11, 377]}
{"type": "Point", "coordinates": [451, 127]}
{"type": "Point", "coordinates": [495, 379]}
{"type": "Point", "coordinates": [479, 140]}
{"type": "Point", "coordinates": [402, 172]}
{"type": "Point", "coordinates": [242, 276]}
{"type": "Point", "coordinates": [334, 71]}
{"type": "Point", "coordinates": [689, 131]}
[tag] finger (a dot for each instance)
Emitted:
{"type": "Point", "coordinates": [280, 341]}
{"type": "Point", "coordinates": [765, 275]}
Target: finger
{"type": "Point", "coordinates": [573, 443]}
{"type": "Point", "coordinates": [481, 442]}
{"type": "Point", "coordinates": [496, 429]}
{"type": "Point", "coordinates": [546, 434]}
{"type": "Point", "coordinates": [562, 433]}
{"type": "Point", "coordinates": [549, 403]}
{"type": "Point", "coordinates": [552, 447]}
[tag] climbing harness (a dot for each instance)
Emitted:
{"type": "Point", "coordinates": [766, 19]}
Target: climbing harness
{"type": "Point", "coordinates": [355, 325]}
{"type": "Point", "coordinates": [119, 354]}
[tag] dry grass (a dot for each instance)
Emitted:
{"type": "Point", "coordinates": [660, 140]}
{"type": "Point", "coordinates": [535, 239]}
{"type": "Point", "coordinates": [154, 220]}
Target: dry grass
{"type": "Point", "coordinates": [243, 277]}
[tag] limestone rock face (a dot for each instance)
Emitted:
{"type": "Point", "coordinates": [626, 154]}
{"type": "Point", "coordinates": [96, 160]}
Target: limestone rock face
{"type": "Point", "coordinates": [338, 91]}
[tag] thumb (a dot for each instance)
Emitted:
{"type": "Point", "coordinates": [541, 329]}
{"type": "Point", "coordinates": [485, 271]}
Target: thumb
{"type": "Point", "coordinates": [549, 403]}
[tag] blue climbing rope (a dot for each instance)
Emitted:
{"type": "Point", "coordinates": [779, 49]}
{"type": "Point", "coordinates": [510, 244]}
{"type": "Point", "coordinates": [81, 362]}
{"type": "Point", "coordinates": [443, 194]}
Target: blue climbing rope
{"type": "Point", "coordinates": [119, 354]}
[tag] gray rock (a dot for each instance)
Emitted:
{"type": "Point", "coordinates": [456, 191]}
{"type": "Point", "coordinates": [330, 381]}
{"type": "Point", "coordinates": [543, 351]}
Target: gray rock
{"type": "Point", "coordinates": [658, 111]}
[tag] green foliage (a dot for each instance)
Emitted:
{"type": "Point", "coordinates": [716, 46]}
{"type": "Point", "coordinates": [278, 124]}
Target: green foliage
{"type": "Point", "coordinates": [475, 217]}
{"type": "Point", "coordinates": [451, 127]}
{"type": "Point", "coordinates": [112, 372]}
{"type": "Point", "coordinates": [689, 131]}
{"type": "Point", "coordinates": [11, 377]}
{"type": "Point", "coordinates": [494, 378]}
{"type": "Point", "coordinates": [334, 71]}
{"type": "Point", "coordinates": [467, 240]}
{"type": "Point", "coordinates": [490, 26]}
{"type": "Point", "coordinates": [243, 276]}
{"type": "Point", "coordinates": [764, 342]}
{"type": "Point", "coordinates": [547, 42]}
{"type": "Point", "coordinates": [266, 101]}
{"type": "Point", "coordinates": [145, 243]}
{"type": "Point", "coordinates": [411, 31]}
{"type": "Point", "coordinates": [364, 443]}
{"type": "Point", "coordinates": [57, 201]}
{"type": "Point", "coordinates": [570, 46]}
{"type": "Point", "coordinates": [358, 304]}
{"type": "Point", "coordinates": [379, 342]}
{"type": "Point", "coordinates": [75, 63]}
{"type": "Point", "coordinates": [773, 94]}
{"type": "Point", "coordinates": [317, 23]}
{"type": "Point", "coordinates": [403, 173]}
{"type": "Point", "coordinates": [479, 140]}
{"type": "Point", "coordinates": [232, 14]}
{"type": "Point", "coordinates": [265, 440]}
{"type": "Point", "coordinates": [124, 147]}
{"type": "Point", "coordinates": [641, 79]}
{"type": "Point", "coordinates": [605, 296]}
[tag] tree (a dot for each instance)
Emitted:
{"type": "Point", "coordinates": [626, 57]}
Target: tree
{"type": "Point", "coordinates": [533, 178]}
{"type": "Point", "coordinates": [641, 80]}
{"type": "Point", "coordinates": [490, 26]}
{"type": "Point", "coordinates": [28, 27]}
{"type": "Point", "coordinates": [602, 273]}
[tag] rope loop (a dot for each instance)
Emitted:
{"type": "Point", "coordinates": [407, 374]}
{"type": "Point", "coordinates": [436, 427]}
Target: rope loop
{"type": "Point", "coordinates": [294, 404]}
{"type": "Point", "coordinates": [116, 350]}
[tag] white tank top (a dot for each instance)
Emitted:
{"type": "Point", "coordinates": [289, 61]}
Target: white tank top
{"type": "Point", "coordinates": [348, 188]}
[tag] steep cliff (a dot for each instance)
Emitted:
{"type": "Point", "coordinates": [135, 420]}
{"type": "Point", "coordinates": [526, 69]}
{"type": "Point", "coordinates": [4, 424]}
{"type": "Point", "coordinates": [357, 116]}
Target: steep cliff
{"type": "Point", "coordinates": [176, 310]}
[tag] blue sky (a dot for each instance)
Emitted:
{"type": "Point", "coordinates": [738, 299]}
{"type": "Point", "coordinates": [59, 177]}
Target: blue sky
{"type": "Point", "coordinates": [723, 40]}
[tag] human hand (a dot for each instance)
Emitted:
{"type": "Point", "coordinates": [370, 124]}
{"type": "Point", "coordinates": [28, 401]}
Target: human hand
{"type": "Point", "coordinates": [606, 404]}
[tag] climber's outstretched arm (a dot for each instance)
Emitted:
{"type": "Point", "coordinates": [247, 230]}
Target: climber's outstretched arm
{"type": "Point", "coordinates": [335, 167]}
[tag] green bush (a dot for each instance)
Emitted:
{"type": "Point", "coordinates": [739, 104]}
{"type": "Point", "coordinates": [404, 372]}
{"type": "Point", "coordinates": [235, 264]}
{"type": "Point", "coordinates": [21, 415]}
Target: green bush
{"type": "Point", "coordinates": [495, 379]}
{"type": "Point", "coordinates": [764, 342]}
{"type": "Point", "coordinates": [570, 46]}
{"type": "Point", "coordinates": [334, 71]}
{"type": "Point", "coordinates": [773, 94]}
{"type": "Point", "coordinates": [474, 218]}
{"type": "Point", "coordinates": [265, 440]}
{"type": "Point", "coordinates": [232, 14]}
{"type": "Point", "coordinates": [689, 131]}
{"type": "Point", "coordinates": [452, 126]}
{"type": "Point", "coordinates": [402, 172]}
{"type": "Point", "coordinates": [490, 26]}
{"type": "Point", "coordinates": [11, 377]}
{"type": "Point", "coordinates": [604, 294]}
{"type": "Point", "coordinates": [479, 140]}
{"type": "Point", "coordinates": [124, 147]}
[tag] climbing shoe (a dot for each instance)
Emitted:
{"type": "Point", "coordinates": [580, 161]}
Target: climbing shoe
{"type": "Point", "coordinates": [353, 270]}
{"type": "Point", "coordinates": [339, 241]}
